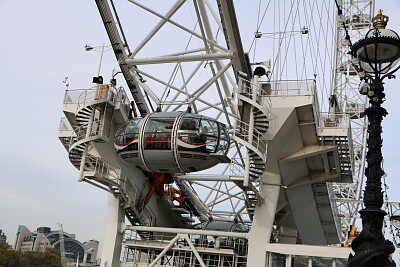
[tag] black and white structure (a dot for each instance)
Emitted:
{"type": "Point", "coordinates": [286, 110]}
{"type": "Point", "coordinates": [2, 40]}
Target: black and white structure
{"type": "Point", "coordinates": [218, 155]}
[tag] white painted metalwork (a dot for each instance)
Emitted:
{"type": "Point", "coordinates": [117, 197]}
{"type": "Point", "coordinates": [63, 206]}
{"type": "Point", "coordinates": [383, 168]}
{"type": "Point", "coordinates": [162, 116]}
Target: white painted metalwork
{"type": "Point", "coordinates": [219, 59]}
{"type": "Point", "coordinates": [211, 75]}
{"type": "Point", "coordinates": [356, 18]}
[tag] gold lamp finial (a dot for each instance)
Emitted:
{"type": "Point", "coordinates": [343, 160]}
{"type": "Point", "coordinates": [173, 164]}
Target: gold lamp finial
{"type": "Point", "coordinates": [380, 21]}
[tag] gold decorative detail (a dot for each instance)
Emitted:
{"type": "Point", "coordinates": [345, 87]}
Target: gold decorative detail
{"type": "Point", "coordinates": [380, 21]}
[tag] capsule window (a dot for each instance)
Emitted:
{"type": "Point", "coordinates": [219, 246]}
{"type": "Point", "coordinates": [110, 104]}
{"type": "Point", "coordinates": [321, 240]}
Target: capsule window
{"type": "Point", "coordinates": [128, 133]}
{"type": "Point", "coordinates": [157, 133]}
{"type": "Point", "coordinates": [188, 133]}
{"type": "Point", "coordinates": [208, 135]}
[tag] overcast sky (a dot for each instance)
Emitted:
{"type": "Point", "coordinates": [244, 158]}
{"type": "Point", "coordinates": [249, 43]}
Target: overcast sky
{"type": "Point", "coordinates": [41, 43]}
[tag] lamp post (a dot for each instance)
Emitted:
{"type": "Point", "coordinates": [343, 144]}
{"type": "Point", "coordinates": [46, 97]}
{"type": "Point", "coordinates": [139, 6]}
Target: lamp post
{"type": "Point", "coordinates": [378, 54]}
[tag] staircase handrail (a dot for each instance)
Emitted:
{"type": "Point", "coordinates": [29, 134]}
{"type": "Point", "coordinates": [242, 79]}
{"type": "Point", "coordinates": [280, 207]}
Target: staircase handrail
{"type": "Point", "coordinates": [242, 132]}
{"type": "Point", "coordinates": [106, 169]}
{"type": "Point", "coordinates": [86, 97]}
{"type": "Point", "coordinates": [262, 97]}
{"type": "Point", "coordinates": [98, 128]}
{"type": "Point", "coordinates": [117, 177]}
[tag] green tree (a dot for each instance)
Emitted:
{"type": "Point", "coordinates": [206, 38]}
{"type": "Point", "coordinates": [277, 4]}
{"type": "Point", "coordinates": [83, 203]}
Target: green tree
{"type": "Point", "coordinates": [26, 259]}
{"type": "Point", "coordinates": [51, 257]}
{"type": "Point", "coordinates": [10, 258]}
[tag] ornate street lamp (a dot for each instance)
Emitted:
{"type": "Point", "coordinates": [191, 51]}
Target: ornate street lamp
{"type": "Point", "coordinates": [378, 54]}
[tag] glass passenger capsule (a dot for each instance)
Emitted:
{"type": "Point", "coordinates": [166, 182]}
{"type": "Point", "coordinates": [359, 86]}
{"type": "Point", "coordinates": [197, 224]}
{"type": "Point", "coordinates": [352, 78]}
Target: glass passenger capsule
{"type": "Point", "coordinates": [173, 142]}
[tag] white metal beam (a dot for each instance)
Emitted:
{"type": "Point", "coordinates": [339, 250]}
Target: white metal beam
{"type": "Point", "coordinates": [210, 177]}
{"type": "Point", "coordinates": [164, 20]}
{"type": "Point", "coordinates": [205, 86]}
{"type": "Point", "coordinates": [196, 253]}
{"type": "Point", "coordinates": [165, 250]}
{"type": "Point", "coordinates": [177, 25]}
{"type": "Point", "coordinates": [185, 231]}
{"type": "Point", "coordinates": [173, 59]}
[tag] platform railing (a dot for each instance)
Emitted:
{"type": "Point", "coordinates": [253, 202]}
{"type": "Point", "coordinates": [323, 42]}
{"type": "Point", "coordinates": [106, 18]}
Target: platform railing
{"type": "Point", "coordinates": [144, 257]}
{"type": "Point", "coordinates": [64, 125]}
{"type": "Point", "coordinates": [217, 242]}
{"type": "Point", "coordinates": [290, 88]}
{"type": "Point", "coordinates": [72, 96]}
{"type": "Point", "coordinates": [215, 250]}
{"type": "Point", "coordinates": [333, 120]}
{"type": "Point", "coordinates": [83, 96]}
{"type": "Point", "coordinates": [99, 93]}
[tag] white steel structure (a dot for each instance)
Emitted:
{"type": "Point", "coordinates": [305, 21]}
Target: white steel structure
{"type": "Point", "coordinates": [290, 162]}
{"type": "Point", "coordinates": [354, 21]}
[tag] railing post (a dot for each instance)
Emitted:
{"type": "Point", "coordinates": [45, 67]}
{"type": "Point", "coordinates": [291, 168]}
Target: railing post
{"type": "Point", "coordinates": [254, 86]}
{"type": "Point", "coordinates": [84, 153]}
{"type": "Point", "coordinates": [246, 177]}
{"type": "Point", "coordinates": [65, 97]}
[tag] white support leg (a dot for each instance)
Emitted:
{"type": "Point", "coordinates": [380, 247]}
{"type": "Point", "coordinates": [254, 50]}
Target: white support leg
{"type": "Point", "coordinates": [115, 218]}
{"type": "Point", "coordinates": [165, 250]}
{"type": "Point", "coordinates": [246, 178]}
{"type": "Point", "coordinates": [263, 221]}
{"type": "Point", "coordinates": [196, 253]}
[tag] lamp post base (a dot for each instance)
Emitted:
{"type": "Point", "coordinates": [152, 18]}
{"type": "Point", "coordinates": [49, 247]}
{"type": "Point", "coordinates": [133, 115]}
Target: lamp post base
{"type": "Point", "coordinates": [370, 247]}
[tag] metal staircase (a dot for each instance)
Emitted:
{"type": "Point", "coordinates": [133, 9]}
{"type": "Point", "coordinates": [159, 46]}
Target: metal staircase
{"type": "Point", "coordinates": [83, 115]}
{"type": "Point", "coordinates": [345, 154]}
{"type": "Point", "coordinates": [335, 132]}
{"type": "Point", "coordinates": [88, 128]}
{"type": "Point", "coordinates": [255, 145]}
{"type": "Point", "coordinates": [259, 101]}
{"type": "Point", "coordinates": [94, 131]}
{"type": "Point", "coordinates": [256, 149]}
{"type": "Point", "coordinates": [110, 178]}
{"type": "Point", "coordinates": [87, 123]}
{"type": "Point", "coordinates": [76, 153]}
{"type": "Point", "coordinates": [257, 106]}
{"type": "Point", "coordinates": [256, 100]}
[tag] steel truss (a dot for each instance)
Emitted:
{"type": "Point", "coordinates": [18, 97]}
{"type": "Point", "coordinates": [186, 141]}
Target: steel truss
{"type": "Point", "coordinates": [356, 19]}
{"type": "Point", "coordinates": [202, 51]}
{"type": "Point", "coordinates": [203, 69]}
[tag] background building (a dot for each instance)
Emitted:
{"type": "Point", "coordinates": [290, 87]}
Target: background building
{"type": "Point", "coordinates": [91, 247]}
{"type": "Point", "coordinates": [3, 237]}
{"type": "Point", "coordinates": [44, 237]}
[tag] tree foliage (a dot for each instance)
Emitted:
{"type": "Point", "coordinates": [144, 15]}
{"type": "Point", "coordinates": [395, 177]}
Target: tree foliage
{"type": "Point", "coordinates": [10, 258]}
